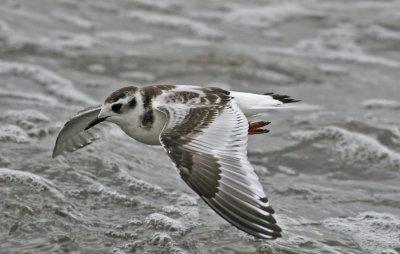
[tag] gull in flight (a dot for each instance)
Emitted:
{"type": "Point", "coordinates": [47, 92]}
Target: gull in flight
{"type": "Point", "coordinates": [204, 131]}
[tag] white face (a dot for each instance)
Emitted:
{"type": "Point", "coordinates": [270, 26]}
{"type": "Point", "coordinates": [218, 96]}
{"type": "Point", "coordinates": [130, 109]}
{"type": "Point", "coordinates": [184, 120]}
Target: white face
{"type": "Point", "coordinates": [121, 108]}
{"type": "Point", "coordinates": [121, 111]}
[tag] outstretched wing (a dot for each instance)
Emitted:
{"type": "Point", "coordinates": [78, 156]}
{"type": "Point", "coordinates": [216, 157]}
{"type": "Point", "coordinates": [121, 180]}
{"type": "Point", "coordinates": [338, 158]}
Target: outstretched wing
{"type": "Point", "coordinates": [73, 135]}
{"type": "Point", "coordinates": [208, 145]}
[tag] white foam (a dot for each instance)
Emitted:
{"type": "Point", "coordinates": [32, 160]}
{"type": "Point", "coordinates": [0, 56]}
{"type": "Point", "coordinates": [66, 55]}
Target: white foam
{"type": "Point", "coordinates": [373, 232]}
{"type": "Point", "coordinates": [73, 19]}
{"type": "Point", "coordinates": [25, 115]}
{"type": "Point", "coordinates": [161, 221]}
{"type": "Point", "coordinates": [37, 183]}
{"type": "Point", "coordinates": [97, 68]}
{"type": "Point", "coordinates": [179, 218]}
{"type": "Point", "coordinates": [138, 185]}
{"type": "Point", "coordinates": [187, 42]}
{"type": "Point", "coordinates": [124, 36]}
{"type": "Point", "coordinates": [266, 16]}
{"type": "Point", "coordinates": [339, 43]}
{"type": "Point", "coordinates": [109, 194]}
{"type": "Point", "coordinates": [178, 22]}
{"type": "Point", "coordinates": [4, 27]}
{"type": "Point", "coordinates": [261, 170]}
{"type": "Point", "coordinates": [380, 103]}
{"type": "Point", "coordinates": [52, 82]}
{"type": "Point", "coordinates": [60, 43]}
{"type": "Point", "coordinates": [13, 133]}
{"type": "Point", "coordinates": [165, 241]}
{"type": "Point", "coordinates": [340, 38]}
{"type": "Point", "coordinates": [266, 76]}
{"type": "Point", "coordinates": [333, 69]}
{"type": "Point", "coordinates": [287, 170]}
{"type": "Point", "coordinates": [31, 98]}
{"type": "Point", "coordinates": [170, 5]}
{"type": "Point", "coordinates": [27, 119]}
{"type": "Point", "coordinates": [137, 76]}
{"type": "Point", "coordinates": [381, 33]}
{"type": "Point", "coordinates": [352, 147]}
{"type": "Point", "coordinates": [67, 42]}
{"type": "Point", "coordinates": [161, 239]}
{"type": "Point", "coordinates": [272, 76]}
{"type": "Point", "coordinates": [208, 15]}
{"type": "Point", "coordinates": [364, 5]}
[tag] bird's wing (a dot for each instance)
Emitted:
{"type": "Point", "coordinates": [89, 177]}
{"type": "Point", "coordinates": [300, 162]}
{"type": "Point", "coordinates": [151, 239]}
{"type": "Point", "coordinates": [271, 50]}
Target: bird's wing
{"type": "Point", "coordinates": [208, 145]}
{"type": "Point", "coordinates": [73, 135]}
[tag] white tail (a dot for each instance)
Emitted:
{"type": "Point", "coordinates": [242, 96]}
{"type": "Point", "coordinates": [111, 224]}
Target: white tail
{"type": "Point", "coordinates": [252, 104]}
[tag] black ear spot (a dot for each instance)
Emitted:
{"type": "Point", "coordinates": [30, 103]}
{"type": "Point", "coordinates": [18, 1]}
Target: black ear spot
{"type": "Point", "coordinates": [116, 107]}
{"type": "Point", "coordinates": [132, 103]}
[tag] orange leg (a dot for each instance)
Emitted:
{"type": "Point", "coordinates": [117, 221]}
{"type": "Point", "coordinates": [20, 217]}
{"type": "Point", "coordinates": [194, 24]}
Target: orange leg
{"type": "Point", "coordinates": [256, 127]}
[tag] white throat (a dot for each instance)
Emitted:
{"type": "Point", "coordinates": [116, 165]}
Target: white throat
{"type": "Point", "coordinates": [132, 124]}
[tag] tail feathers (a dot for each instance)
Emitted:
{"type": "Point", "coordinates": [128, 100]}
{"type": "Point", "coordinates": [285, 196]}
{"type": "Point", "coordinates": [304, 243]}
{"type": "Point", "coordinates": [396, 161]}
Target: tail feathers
{"type": "Point", "coordinates": [252, 104]}
{"type": "Point", "coordinates": [282, 98]}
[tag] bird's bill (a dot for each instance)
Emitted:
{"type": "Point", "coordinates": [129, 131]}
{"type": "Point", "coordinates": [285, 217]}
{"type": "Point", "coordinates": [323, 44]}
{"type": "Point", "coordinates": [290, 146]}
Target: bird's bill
{"type": "Point", "coordinates": [95, 122]}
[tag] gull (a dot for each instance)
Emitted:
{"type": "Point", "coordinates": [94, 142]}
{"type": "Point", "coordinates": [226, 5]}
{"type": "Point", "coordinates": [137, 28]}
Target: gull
{"type": "Point", "coordinates": [204, 131]}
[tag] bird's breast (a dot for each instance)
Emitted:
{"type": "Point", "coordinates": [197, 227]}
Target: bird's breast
{"type": "Point", "coordinates": [144, 132]}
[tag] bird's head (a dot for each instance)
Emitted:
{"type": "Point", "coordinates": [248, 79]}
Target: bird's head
{"type": "Point", "coordinates": [119, 107]}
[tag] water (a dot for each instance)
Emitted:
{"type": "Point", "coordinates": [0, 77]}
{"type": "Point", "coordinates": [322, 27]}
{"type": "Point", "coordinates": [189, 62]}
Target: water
{"type": "Point", "coordinates": [331, 167]}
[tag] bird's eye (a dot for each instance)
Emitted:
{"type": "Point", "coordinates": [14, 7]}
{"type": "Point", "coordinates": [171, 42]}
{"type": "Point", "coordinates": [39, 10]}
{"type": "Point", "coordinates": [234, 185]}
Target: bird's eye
{"type": "Point", "coordinates": [116, 107]}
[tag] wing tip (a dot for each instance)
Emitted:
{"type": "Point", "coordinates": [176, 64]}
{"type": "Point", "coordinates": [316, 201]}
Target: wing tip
{"type": "Point", "coordinates": [273, 236]}
{"type": "Point", "coordinates": [276, 233]}
{"type": "Point", "coordinates": [55, 152]}
{"type": "Point", "coordinates": [266, 206]}
{"type": "Point", "coordinates": [282, 98]}
{"type": "Point", "coordinates": [268, 231]}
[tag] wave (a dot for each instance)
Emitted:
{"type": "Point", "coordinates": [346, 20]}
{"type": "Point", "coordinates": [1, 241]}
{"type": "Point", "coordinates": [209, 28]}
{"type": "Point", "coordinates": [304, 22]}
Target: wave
{"type": "Point", "coordinates": [373, 232]}
{"type": "Point", "coordinates": [53, 83]}
{"type": "Point", "coordinates": [351, 147]}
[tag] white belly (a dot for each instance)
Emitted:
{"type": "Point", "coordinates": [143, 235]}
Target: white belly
{"type": "Point", "coordinates": [149, 136]}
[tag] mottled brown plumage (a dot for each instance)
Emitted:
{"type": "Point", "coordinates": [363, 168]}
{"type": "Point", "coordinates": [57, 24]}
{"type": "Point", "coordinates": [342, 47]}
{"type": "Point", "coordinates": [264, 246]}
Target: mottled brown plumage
{"type": "Point", "coordinates": [148, 94]}
{"type": "Point", "coordinates": [115, 96]}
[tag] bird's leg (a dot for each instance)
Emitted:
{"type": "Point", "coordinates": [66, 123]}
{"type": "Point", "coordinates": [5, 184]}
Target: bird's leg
{"type": "Point", "coordinates": [256, 127]}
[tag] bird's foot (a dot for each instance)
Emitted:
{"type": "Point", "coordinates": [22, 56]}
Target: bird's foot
{"type": "Point", "coordinates": [256, 127]}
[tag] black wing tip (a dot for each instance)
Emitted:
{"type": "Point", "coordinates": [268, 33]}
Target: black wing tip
{"type": "Point", "coordinates": [282, 98]}
{"type": "Point", "coordinates": [267, 208]}
{"type": "Point", "coordinates": [273, 236]}
{"type": "Point", "coordinates": [271, 231]}
{"type": "Point", "coordinates": [277, 233]}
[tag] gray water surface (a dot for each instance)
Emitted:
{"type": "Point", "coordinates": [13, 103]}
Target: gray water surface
{"type": "Point", "coordinates": [330, 166]}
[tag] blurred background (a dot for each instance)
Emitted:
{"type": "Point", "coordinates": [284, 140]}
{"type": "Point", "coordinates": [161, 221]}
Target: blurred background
{"type": "Point", "coordinates": [331, 167]}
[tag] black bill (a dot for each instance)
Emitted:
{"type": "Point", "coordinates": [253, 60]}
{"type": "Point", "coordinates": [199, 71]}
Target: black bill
{"type": "Point", "coordinates": [95, 122]}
